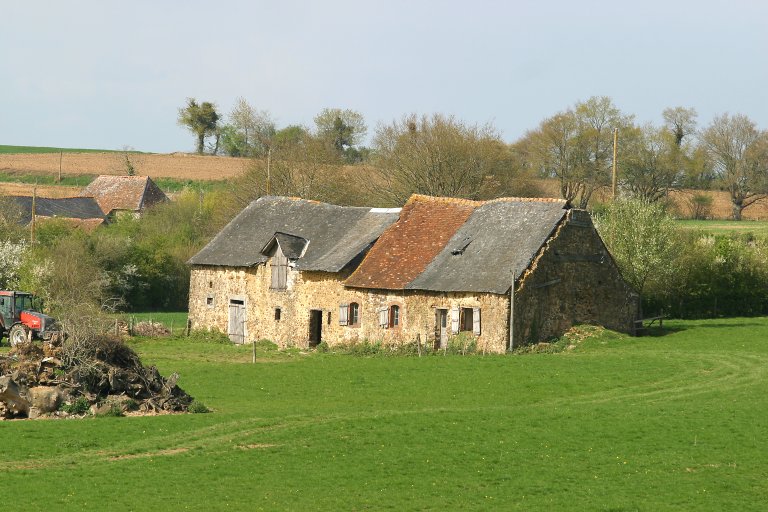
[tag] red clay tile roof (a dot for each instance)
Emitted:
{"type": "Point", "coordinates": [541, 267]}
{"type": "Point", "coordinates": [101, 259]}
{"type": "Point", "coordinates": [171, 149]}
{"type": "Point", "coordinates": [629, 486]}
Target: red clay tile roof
{"type": "Point", "coordinates": [405, 249]}
{"type": "Point", "coordinates": [133, 193]}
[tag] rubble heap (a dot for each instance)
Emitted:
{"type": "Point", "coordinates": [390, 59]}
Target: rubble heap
{"type": "Point", "coordinates": [103, 375]}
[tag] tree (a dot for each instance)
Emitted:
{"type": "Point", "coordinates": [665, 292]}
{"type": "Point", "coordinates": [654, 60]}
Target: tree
{"type": "Point", "coordinates": [343, 129]}
{"type": "Point", "coordinates": [642, 239]}
{"type": "Point", "coordinates": [650, 163]}
{"type": "Point", "coordinates": [436, 155]}
{"type": "Point", "coordinates": [300, 165]}
{"type": "Point", "coordinates": [576, 147]}
{"type": "Point", "coordinates": [681, 123]}
{"type": "Point", "coordinates": [737, 154]}
{"type": "Point", "coordinates": [201, 119]}
{"type": "Point", "coordinates": [250, 131]}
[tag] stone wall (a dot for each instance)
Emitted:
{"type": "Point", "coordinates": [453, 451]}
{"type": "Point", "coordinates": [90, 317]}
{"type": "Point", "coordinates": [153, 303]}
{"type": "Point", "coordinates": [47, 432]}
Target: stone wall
{"type": "Point", "coordinates": [573, 280]}
{"type": "Point", "coordinates": [211, 289]}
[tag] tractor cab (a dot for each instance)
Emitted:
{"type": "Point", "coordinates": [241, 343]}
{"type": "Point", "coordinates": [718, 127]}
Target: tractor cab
{"type": "Point", "coordinates": [21, 319]}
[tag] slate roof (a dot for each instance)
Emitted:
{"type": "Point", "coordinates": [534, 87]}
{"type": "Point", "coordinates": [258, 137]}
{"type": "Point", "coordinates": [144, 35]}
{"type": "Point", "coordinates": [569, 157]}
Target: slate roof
{"type": "Point", "coordinates": [78, 208]}
{"type": "Point", "coordinates": [132, 193]}
{"type": "Point", "coordinates": [336, 234]}
{"type": "Point", "coordinates": [446, 245]}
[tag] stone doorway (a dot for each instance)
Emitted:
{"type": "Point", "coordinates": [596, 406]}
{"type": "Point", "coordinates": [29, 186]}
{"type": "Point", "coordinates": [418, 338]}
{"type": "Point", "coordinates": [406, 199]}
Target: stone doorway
{"type": "Point", "coordinates": [315, 327]}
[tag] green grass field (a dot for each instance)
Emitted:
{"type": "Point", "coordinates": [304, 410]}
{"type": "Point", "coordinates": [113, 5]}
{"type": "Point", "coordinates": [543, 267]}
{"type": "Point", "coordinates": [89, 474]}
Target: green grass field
{"type": "Point", "coordinates": [40, 149]}
{"type": "Point", "coordinates": [726, 226]}
{"type": "Point", "coordinates": [672, 422]}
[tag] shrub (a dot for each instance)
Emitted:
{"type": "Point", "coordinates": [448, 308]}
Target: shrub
{"type": "Point", "coordinates": [208, 336]}
{"type": "Point", "coordinates": [198, 408]}
{"type": "Point", "coordinates": [79, 406]}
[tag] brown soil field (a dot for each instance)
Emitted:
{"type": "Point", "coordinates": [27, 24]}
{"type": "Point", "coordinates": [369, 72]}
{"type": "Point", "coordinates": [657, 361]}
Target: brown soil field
{"type": "Point", "coordinates": [175, 165]}
{"type": "Point", "coordinates": [721, 202]}
{"type": "Point", "coordinates": [26, 189]}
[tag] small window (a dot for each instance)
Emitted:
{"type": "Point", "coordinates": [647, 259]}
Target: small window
{"type": "Point", "coordinates": [353, 317]}
{"type": "Point", "coordinates": [394, 316]}
{"type": "Point", "coordinates": [278, 314]}
{"type": "Point", "coordinates": [210, 284]}
{"type": "Point", "coordinates": [470, 320]}
{"type": "Point", "coordinates": [466, 319]}
{"type": "Point", "coordinates": [209, 301]}
{"type": "Point", "coordinates": [329, 318]}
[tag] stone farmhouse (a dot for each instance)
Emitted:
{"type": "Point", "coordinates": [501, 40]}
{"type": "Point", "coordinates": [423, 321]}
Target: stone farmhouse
{"type": "Point", "coordinates": [506, 272]}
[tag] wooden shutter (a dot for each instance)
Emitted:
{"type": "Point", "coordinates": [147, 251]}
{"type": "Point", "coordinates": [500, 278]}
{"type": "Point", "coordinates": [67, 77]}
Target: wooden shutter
{"type": "Point", "coordinates": [476, 321]}
{"type": "Point", "coordinates": [384, 317]}
{"type": "Point", "coordinates": [455, 320]}
{"type": "Point", "coordinates": [343, 314]}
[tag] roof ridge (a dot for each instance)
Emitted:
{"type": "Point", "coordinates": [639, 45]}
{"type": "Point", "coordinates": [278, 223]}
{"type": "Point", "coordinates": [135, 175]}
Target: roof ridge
{"type": "Point", "coordinates": [442, 199]}
{"type": "Point", "coordinates": [423, 198]}
{"type": "Point", "coordinates": [527, 200]}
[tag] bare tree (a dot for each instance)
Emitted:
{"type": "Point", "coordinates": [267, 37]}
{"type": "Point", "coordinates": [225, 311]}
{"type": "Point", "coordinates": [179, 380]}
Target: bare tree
{"type": "Point", "coordinates": [737, 153]}
{"type": "Point", "coordinates": [649, 163]}
{"type": "Point", "coordinates": [576, 147]}
{"type": "Point", "coordinates": [436, 155]}
{"type": "Point", "coordinates": [681, 122]}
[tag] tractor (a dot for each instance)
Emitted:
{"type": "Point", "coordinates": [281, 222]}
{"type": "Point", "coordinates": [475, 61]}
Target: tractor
{"type": "Point", "coordinates": [20, 321]}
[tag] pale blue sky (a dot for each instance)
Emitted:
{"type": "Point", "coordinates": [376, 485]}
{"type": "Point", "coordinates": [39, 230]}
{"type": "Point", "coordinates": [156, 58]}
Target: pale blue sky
{"type": "Point", "coordinates": [105, 74]}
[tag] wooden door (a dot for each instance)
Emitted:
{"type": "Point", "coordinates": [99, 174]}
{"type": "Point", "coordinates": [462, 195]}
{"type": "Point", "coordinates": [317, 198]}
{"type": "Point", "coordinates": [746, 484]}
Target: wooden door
{"type": "Point", "coordinates": [441, 328]}
{"type": "Point", "coordinates": [237, 321]}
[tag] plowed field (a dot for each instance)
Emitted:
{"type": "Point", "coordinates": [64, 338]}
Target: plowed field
{"type": "Point", "coordinates": [175, 165]}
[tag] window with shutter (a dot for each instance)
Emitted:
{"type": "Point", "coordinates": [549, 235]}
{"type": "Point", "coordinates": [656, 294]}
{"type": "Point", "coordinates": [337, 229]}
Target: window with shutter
{"type": "Point", "coordinates": [476, 321]}
{"type": "Point", "coordinates": [343, 311]}
{"type": "Point", "coordinates": [394, 316]}
{"type": "Point", "coordinates": [354, 314]}
{"type": "Point", "coordinates": [455, 320]}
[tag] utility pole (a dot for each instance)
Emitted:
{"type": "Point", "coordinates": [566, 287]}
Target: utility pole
{"type": "Point", "coordinates": [32, 224]}
{"type": "Point", "coordinates": [615, 145]}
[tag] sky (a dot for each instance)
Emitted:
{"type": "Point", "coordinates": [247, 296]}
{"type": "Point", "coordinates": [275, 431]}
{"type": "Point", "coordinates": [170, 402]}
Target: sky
{"type": "Point", "coordinates": [108, 74]}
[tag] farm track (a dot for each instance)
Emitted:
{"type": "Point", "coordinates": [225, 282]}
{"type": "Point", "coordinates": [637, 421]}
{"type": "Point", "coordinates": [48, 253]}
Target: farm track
{"type": "Point", "coordinates": [722, 372]}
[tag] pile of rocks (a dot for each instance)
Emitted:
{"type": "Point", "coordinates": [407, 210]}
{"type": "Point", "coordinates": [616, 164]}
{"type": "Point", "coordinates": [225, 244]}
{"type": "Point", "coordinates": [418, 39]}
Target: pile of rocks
{"type": "Point", "coordinates": [102, 375]}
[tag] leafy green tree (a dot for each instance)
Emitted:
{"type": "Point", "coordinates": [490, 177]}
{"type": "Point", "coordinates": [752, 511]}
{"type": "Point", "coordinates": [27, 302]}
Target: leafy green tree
{"type": "Point", "coordinates": [737, 153]}
{"type": "Point", "coordinates": [641, 237]}
{"type": "Point", "coordinates": [343, 129]}
{"type": "Point", "coordinates": [436, 155]}
{"type": "Point", "coordinates": [201, 119]}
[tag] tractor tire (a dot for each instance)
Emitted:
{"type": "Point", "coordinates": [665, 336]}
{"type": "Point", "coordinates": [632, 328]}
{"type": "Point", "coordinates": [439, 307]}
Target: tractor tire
{"type": "Point", "coordinates": [19, 333]}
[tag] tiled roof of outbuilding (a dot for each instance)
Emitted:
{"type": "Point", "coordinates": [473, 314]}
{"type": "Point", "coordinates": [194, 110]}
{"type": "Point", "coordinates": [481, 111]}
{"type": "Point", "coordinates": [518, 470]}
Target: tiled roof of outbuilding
{"type": "Point", "coordinates": [132, 193]}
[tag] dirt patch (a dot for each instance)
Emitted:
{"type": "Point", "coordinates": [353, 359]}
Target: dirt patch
{"type": "Point", "coordinates": [255, 446]}
{"type": "Point", "coordinates": [147, 455]}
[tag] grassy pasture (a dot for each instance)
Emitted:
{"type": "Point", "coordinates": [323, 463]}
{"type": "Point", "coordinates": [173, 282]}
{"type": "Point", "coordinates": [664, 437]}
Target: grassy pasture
{"type": "Point", "coordinates": [725, 227]}
{"type": "Point", "coordinates": [41, 149]}
{"type": "Point", "coordinates": [673, 422]}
